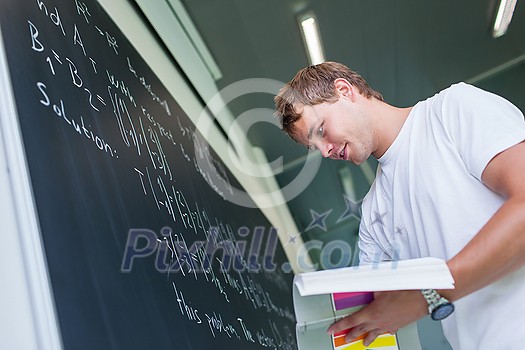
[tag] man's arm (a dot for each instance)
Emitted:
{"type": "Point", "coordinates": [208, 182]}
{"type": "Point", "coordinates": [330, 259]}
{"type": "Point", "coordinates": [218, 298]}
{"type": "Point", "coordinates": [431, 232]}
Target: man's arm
{"type": "Point", "coordinates": [499, 247]}
{"type": "Point", "coordinates": [497, 250]}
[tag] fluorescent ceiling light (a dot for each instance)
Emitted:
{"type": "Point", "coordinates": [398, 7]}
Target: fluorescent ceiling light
{"type": "Point", "coordinates": [312, 38]}
{"type": "Point", "coordinates": [503, 17]}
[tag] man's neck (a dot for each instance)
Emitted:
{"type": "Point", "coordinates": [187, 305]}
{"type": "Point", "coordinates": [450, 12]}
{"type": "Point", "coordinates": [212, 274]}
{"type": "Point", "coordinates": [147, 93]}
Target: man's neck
{"type": "Point", "coordinates": [389, 122]}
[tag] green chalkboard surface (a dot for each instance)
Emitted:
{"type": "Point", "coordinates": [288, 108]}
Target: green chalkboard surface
{"type": "Point", "coordinates": [143, 250]}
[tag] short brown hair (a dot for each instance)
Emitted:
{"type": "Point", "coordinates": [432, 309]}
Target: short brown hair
{"type": "Point", "coordinates": [315, 85]}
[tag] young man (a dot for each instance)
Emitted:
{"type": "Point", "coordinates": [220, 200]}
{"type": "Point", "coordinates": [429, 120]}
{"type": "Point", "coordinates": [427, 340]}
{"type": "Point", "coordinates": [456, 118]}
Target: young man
{"type": "Point", "coordinates": [449, 185]}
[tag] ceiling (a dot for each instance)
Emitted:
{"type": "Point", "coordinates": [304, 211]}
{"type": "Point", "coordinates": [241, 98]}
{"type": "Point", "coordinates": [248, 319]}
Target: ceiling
{"type": "Point", "coordinates": [407, 49]}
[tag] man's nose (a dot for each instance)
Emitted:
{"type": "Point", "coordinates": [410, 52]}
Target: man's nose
{"type": "Point", "coordinates": [326, 149]}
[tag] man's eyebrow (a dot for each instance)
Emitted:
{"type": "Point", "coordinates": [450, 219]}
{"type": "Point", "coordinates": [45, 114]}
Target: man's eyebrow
{"type": "Point", "coordinates": [311, 131]}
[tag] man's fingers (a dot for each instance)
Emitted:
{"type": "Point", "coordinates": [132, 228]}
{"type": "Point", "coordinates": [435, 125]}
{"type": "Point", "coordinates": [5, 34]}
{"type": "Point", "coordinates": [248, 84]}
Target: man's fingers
{"type": "Point", "coordinates": [343, 324]}
{"type": "Point", "coordinates": [371, 336]}
{"type": "Point", "coordinates": [355, 333]}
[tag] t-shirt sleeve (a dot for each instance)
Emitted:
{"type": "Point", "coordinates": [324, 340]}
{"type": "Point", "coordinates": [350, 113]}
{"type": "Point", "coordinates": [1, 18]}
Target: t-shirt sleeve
{"type": "Point", "coordinates": [481, 125]}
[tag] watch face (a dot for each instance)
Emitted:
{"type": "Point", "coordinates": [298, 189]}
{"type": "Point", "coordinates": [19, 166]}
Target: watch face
{"type": "Point", "coordinates": [442, 311]}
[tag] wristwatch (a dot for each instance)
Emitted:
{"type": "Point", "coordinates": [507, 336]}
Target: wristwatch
{"type": "Point", "coordinates": [438, 306]}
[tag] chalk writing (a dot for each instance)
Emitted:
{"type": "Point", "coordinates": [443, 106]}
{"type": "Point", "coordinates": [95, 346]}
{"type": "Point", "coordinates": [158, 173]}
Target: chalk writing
{"type": "Point", "coordinates": [82, 10]}
{"type": "Point", "coordinates": [126, 126]}
{"type": "Point", "coordinates": [54, 16]}
{"type": "Point", "coordinates": [99, 95]}
{"type": "Point", "coordinates": [76, 79]}
{"type": "Point", "coordinates": [148, 88]}
{"type": "Point", "coordinates": [81, 128]}
{"type": "Point", "coordinates": [190, 312]}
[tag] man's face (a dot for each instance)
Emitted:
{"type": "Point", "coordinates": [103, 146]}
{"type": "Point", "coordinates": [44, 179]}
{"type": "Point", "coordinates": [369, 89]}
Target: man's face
{"type": "Point", "coordinates": [339, 130]}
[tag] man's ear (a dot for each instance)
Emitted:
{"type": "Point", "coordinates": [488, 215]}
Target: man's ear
{"type": "Point", "coordinates": [344, 88]}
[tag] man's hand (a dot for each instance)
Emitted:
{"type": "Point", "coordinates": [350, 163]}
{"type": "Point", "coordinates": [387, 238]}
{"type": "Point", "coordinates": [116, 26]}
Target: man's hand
{"type": "Point", "coordinates": [388, 312]}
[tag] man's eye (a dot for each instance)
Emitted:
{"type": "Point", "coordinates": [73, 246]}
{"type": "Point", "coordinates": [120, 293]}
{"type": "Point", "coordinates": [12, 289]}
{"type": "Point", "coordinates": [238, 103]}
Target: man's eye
{"type": "Point", "coordinates": [320, 131]}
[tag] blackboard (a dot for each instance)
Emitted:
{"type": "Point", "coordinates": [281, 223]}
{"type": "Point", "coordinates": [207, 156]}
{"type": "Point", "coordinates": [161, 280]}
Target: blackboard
{"type": "Point", "coordinates": [142, 249]}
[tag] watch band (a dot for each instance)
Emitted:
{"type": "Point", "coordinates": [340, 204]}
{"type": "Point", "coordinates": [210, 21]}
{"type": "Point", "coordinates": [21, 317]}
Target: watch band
{"type": "Point", "coordinates": [433, 298]}
{"type": "Point", "coordinates": [439, 307]}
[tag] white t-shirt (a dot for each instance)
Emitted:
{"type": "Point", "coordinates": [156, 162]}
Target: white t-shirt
{"type": "Point", "coordinates": [428, 200]}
